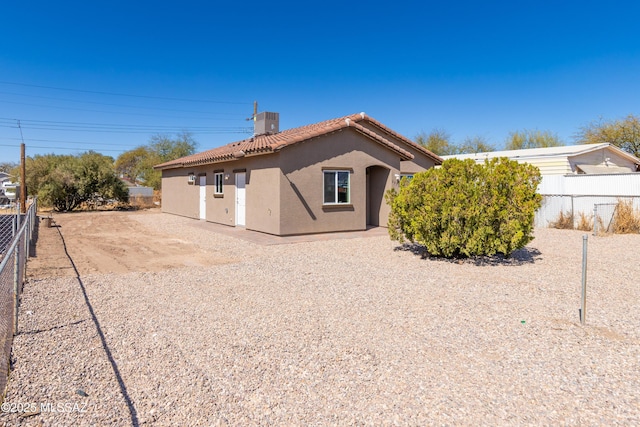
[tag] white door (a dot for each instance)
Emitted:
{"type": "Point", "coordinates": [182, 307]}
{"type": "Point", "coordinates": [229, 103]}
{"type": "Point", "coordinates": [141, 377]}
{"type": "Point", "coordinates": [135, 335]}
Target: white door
{"type": "Point", "coordinates": [203, 197]}
{"type": "Point", "coordinates": [240, 198]}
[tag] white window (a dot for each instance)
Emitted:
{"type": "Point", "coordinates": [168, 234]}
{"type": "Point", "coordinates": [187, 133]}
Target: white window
{"type": "Point", "coordinates": [408, 177]}
{"type": "Point", "coordinates": [218, 180]}
{"type": "Point", "coordinates": [336, 187]}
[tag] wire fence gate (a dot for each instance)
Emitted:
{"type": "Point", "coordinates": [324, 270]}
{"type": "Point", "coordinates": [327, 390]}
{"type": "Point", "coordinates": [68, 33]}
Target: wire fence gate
{"type": "Point", "coordinates": [14, 256]}
{"type": "Point", "coordinates": [596, 211]}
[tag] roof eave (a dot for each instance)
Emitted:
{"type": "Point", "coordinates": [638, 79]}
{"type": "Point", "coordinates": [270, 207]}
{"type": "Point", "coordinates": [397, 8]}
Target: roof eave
{"type": "Point", "coordinates": [437, 159]}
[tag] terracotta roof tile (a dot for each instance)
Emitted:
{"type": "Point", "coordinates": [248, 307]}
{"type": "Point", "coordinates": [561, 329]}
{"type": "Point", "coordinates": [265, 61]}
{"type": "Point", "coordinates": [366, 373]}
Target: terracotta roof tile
{"type": "Point", "coordinates": [265, 144]}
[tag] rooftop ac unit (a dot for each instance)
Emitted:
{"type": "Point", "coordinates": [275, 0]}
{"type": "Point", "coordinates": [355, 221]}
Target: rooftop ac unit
{"type": "Point", "coordinates": [266, 124]}
{"type": "Point", "coordinates": [192, 178]}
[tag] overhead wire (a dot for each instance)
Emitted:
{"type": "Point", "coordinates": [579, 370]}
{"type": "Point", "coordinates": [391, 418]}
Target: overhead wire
{"type": "Point", "coordinates": [38, 126]}
{"type": "Point", "coordinates": [113, 127]}
{"type": "Point", "coordinates": [126, 94]}
{"type": "Point", "coordinates": [120, 105]}
{"type": "Point", "coordinates": [58, 148]}
{"type": "Point", "coordinates": [127, 113]}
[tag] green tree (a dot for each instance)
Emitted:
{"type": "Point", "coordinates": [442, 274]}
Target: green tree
{"type": "Point", "coordinates": [437, 141]}
{"type": "Point", "coordinates": [137, 164]}
{"type": "Point", "coordinates": [65, 182]}
{"type": "Point", "coordinates": [467, 209]}
{"type": "Point", "coordinates": [130, 164]}
{"type": "Point", "coordinates": [168, 148]}
{"type": "Point", "coordinates": [532, 139]}
{"type": "Point", "coordinates": [624, 134]}
{"type": "Point", "coordinates": [476, 144]}
{"type": "Point", "coordinates": [7, 166]}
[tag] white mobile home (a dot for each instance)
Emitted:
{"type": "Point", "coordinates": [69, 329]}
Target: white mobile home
{"type": "Point", "coordinates": [570, 159]}
{"type": "Point", "coordinates": [577, 180]}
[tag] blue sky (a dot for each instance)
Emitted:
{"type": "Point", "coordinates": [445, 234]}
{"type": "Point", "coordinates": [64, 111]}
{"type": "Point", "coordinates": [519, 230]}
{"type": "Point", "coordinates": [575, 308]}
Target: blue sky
{"type": "Point", "coordinates": [107, 75]}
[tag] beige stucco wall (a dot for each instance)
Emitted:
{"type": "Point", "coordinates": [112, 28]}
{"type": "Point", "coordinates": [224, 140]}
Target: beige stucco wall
{"type": "Point", "coordinates": [262, 192]}
{"type": "Point", "coordinates": [179, 197]}
{"type": "Point", "coordinates": [302, 208]}
{"type": "Point", "coordinates": [419, 163]}
{"type": "Point", "coordinates": [284, 190]}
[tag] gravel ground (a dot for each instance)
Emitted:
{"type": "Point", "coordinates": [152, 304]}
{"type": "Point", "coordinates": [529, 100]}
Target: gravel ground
{"type": "Point", "coordinates": [340, 332]}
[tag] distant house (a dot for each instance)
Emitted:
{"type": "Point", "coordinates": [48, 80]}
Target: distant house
{"type": "Point", "coordinates": [570, 159]}
{"type": "Point", "coordinates": [324, 177]}
{"type": "Point", "coordinates": [578, 180]}
{"type": "Point", "coordinates": [4, 178]}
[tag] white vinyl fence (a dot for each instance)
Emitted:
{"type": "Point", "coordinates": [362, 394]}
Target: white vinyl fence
{"type": "Point", "coordinates": [588, 196]}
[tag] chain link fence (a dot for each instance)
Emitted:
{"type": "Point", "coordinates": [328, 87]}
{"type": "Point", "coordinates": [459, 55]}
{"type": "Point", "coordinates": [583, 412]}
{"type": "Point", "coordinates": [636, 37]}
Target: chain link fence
{"type": "Point", "coordinates": [583, 212]}
{"type": "Point", "coordinates": [8, 227]}
{"type": "Point", "coordinates": [603, 216]}
{"type": "Point", "coordinates": [12, 277]}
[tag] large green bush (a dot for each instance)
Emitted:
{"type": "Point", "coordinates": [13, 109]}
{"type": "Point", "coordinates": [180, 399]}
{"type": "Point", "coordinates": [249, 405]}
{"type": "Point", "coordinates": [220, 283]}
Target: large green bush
{"type": "Point", "coordinates": [467, 209]}
{"type": "Point", "coordinates": [64, 182]}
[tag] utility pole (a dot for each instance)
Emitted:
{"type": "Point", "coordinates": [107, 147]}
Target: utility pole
{"type": "Point", "coordinates": [23, 175]}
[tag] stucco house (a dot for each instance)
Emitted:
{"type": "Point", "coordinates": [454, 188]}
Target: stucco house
{"type": "Point", "coordinates": [570, 159]}
{"type": "Point", "coordinates": [324, 177]}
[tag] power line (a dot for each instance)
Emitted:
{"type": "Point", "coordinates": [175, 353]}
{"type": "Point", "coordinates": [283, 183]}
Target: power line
{"type": "Point", "coordinates": [58, 122]}
{"type": "Point", "coordinates": [112, 127]}
{"type": "Point", "coordinates": [125, 94]}
{"type": "Point", "coordinates": [56, 148]}
{"type": "Point", "coordinates": [117, 105]}
{"type": "Point", "coordinates": [199, 132]}
{"type": "Point", "coordinates": [58, 141]}
{"type": "Point", "coordinates": [114, 112]}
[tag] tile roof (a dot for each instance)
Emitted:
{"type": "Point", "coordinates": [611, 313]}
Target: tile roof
{"type": "Point", "coordinates": [265, 144]}
{"type": "Point", "coordinates": [528, 153]}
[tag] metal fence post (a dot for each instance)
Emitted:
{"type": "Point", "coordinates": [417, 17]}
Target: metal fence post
{"type": "Point", "coordinates": [16, 297]}
{"type": "Point", "coordinates": [25, 255]}
{"type": "Point", "coordinates": [595, 219]}
{"type": "Point", "coordinates": [583, 297]}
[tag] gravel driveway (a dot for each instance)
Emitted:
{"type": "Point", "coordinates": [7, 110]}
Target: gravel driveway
{"type": "Point", "coordinates": [338, 332]}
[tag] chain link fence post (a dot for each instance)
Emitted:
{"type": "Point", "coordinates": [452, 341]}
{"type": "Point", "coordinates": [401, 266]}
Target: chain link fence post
{"type": "Point", "coordinates": [16, 296]}
{"type": "Point", "coordinates": [13, 259]}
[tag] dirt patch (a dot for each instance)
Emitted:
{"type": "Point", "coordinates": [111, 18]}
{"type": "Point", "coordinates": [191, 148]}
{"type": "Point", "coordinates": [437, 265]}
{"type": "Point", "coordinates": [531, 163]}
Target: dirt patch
{"type": "Point", "coordinates": [111, 242]}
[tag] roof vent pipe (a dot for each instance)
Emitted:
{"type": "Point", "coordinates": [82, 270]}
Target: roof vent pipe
{"type": "Point", "coordinates": [348, 121]}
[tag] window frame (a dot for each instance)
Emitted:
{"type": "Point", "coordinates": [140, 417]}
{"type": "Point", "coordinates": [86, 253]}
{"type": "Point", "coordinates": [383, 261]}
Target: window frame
{"type": "Point", "coordinates": [218, 183]}
{"type": "Point", "coordinates": [336, 185]}
{"type": "Point", "coordinates": [408, 177]}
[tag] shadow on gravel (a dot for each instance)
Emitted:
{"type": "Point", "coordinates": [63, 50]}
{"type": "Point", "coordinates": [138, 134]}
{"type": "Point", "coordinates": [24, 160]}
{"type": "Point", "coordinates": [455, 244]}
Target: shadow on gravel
{"type": "Point", "coordinates": [123, 388]}
{"type": "Point", "coordinates": [53, 328]}
{"type": "Point", "coordinates": [34, 238]}
{"type": "Point", "coordinates": [519, 257]}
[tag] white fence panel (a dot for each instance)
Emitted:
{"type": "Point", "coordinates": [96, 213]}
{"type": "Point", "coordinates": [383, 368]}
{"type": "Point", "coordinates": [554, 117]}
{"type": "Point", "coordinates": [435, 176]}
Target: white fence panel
{"type": "Point", "coordinates": [578, 194]}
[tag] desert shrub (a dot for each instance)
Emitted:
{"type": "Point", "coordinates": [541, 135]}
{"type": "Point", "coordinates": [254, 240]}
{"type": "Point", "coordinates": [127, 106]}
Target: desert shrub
{"type": "Point", "coordinates": [67, 182]}
{"type": "Point", "coordinates": [467, 209]}
{"type": "Point", "coordinates": [141, 202]}
{"type": "Point", "coordinates": [564, 221]}
{"type": "Point", "coordinates": [601, 228]}
{"type": "Point", "coordinates": [626, 218]}
{"type": "Point", "coordinates": [585, 223]}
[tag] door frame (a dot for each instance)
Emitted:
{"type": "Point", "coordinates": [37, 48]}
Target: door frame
{"type": "Point", "coordinates": [202, 182]}
{"type": "Point", "coordinates": [241, 193]}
